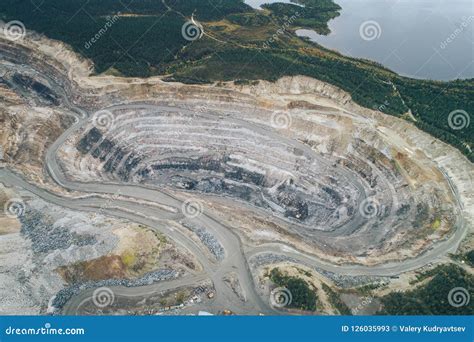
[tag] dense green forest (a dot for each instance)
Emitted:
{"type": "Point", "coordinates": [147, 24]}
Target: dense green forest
{"type": "Point", "coordinates": [303, 296]}
{"type": "Point", "coordinates": [144, 38]}
{"type": "Point", "coordinates": [467, 257]}
{"type": "Point", "coordinates": [432, 298]}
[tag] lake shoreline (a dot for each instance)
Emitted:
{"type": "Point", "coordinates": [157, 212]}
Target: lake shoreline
{"type": "Point", "coordinates": [431, 50]}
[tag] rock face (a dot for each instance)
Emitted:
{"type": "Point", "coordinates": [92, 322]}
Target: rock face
{"type": "Point", "coordinates": [344, 181]}
{"type": "Point", "coordinates": [31, 112]}
{"type": "Point", "coordinates": [327, 175]}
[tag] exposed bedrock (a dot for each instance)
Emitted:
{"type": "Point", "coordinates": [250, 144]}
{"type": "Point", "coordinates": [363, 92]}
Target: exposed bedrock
{"type": "Point", "coordinates": [351, 203]}
{"type": "Point", "coordinates": [299, 156]}
{"type": "Point", "coordinates": [228, 159]}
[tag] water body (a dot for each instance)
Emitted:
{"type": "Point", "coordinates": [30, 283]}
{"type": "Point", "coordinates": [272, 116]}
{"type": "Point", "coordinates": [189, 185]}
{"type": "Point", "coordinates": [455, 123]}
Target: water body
{"type": "Point", "coordinates": [429, 39]}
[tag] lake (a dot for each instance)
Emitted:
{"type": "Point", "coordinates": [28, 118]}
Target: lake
{"type": "Point", "coordinates": [430, 39]}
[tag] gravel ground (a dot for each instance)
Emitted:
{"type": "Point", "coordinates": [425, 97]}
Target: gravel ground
{"type": "Point", "coordinates": [46, 237]}
{"type": "Point", "coordinates": [342, 281]}
{"type": "Point", "coordinates": [67, 293]}
{"type": "Point", "coordinates": [207, 239]}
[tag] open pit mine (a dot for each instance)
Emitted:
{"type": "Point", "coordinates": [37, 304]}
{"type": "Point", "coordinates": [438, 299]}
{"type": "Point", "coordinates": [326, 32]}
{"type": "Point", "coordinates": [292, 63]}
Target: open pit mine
{"type": "Point", "coordinates": [127, 195]}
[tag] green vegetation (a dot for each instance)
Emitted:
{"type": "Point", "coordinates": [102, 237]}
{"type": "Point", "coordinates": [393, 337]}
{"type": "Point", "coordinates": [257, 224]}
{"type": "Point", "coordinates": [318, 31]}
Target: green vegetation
{"type": "Point", "coordinates": [432, 298]}
{"type": "Point", "coordinates": [431, 102]}
{"type": "Point", "coordinates": [303, 296]}
{"type": "Point", "coordinates": [367, 289]}
{"type": "Point", "coordinates": [336, 301]}
{"type": "Point", "coordinates": [240, 43]}
{"type": "Point", "coordinates": [422, 276]}
{"type": "Point", "coordinates": [315, 14]}
{"type": "Point", "coordinates": [142, 39]}
{"type": "Point", "coordinates": [467, 257]}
